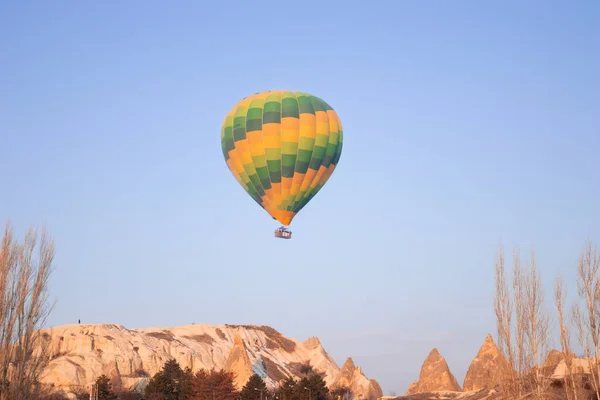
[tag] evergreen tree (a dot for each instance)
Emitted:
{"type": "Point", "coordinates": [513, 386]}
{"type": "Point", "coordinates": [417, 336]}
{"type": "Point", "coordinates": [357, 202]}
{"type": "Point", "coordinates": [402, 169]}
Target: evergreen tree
{"type": "Point", "coordinates": [104, 388]}
{"type": "Point", "coordinates": [312, 387]}
{"type": "Point", "coordinates": [287, 389]}
{"type": "Point", "coordinates": [187, 385]}
{"type": "Point", "coordinates": [254, 389]}
{"type": "Point", "coordinates": [171, 383]}
{"type": "Point", "coordinates": [160, 387]}
{"type": "Point", "coordinates": [214, 385]}
{"type": "Point", "coordinates": [306, 369]}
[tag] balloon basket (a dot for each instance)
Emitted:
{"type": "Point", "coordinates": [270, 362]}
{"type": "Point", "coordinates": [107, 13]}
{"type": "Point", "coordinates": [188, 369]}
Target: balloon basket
{"type": "Point", "coordinates": [283, 233]}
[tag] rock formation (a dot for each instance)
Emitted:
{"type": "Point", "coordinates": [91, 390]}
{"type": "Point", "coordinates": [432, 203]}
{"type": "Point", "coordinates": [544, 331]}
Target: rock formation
{"type": "Point", "coordinates": [238, 362]}
{"type": "Point", "coordinates": [555, 357]}
{"type": "Point", "coordinates": [320, 360]}
{"type": "Point", "coordinates": [81, 353]}
{"type": "Point", "coordinates": [352, 377]}
{"type": "Point", "coordinates": [435, 376]}
{"type": "Point", "coordinates": [578, 366]}
{"type": "Point", "coordinates": [487, 368]}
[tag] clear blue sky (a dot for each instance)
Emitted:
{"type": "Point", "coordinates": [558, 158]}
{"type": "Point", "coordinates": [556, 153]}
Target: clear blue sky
{"type": "Point", "coordinates": [466, 124]}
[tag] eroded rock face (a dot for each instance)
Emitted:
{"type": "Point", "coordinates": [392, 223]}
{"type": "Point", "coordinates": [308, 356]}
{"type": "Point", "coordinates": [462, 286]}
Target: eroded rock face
{"type": "Point", "coordinates": [81, 353]}
{"type": "Point", "coordinates": [488, 367]}
{"type": "Point", "coordinates": [435, 376]}
{"type": "Point", "coordinates": [239, 363]}
{"type": "Point", "coordinates": [352, 377]}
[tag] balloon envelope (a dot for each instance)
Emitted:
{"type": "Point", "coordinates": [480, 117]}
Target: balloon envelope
{"type": "Point", "coordinates": [282, 147]}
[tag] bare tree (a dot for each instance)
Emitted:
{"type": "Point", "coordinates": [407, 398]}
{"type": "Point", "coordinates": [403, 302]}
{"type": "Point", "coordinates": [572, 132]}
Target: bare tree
{"type": "Point", "coordinates": [560, 293]}
{"type": "Point", "coordinates": [24, 275]}
{"type": "Point", "coordinates": [504, 311]}
{"type": "Point", "coordinates": [584, 342]}
{"type": "Point", "coordinates": [536, 329]}
{"type": "Point", "coordinates": [531, 323]}
{"type": "Point", "coordinates": [523, 361]}
{"type": "Point", "coordinates": [588, 287]}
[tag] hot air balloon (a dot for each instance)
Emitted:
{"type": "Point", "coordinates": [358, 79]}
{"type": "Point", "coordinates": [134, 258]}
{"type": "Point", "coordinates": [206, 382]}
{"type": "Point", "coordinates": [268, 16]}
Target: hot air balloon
{"type": "Point", "coordinates": [282, 147]}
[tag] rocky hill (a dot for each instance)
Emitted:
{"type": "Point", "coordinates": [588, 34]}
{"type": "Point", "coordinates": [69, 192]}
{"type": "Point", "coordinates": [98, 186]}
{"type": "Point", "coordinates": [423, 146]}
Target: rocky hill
{"type": "Point", "coordinates": [350, 376]}
{"type": "Point", "coordinates": [485, 371]}
{"type": "Point", "coordinates": [435, 376]}
{"type": "Point", "coordinates": [81, 353]}
{"type": "Point", "coordinates": [488, 368]}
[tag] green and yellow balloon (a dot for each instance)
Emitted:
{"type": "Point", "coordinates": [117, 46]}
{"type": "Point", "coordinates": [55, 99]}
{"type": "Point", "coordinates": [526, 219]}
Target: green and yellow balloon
{"type": "Point", "coordinates": [282, 147]}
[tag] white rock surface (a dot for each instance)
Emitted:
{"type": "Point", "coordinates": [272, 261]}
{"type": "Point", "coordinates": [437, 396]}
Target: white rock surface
{"type": "Point", "coordinates": [81, 353]}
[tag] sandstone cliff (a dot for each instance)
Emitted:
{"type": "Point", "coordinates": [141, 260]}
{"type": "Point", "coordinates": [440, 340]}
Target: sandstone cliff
{"type": "Point", "coordinates": [435, 376]}
{"type": "Point", "coordinates": [353, 378]}
{"type": "Point", "coordinates": [488, 367]}
{"type": "Point", "coordinates": [81, 353]}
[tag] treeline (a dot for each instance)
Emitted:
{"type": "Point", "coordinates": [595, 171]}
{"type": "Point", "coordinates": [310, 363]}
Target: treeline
{"type": "Point", "coordinates": [525, 318]}
{"type": "Point", "coordinates": [174, 383]}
